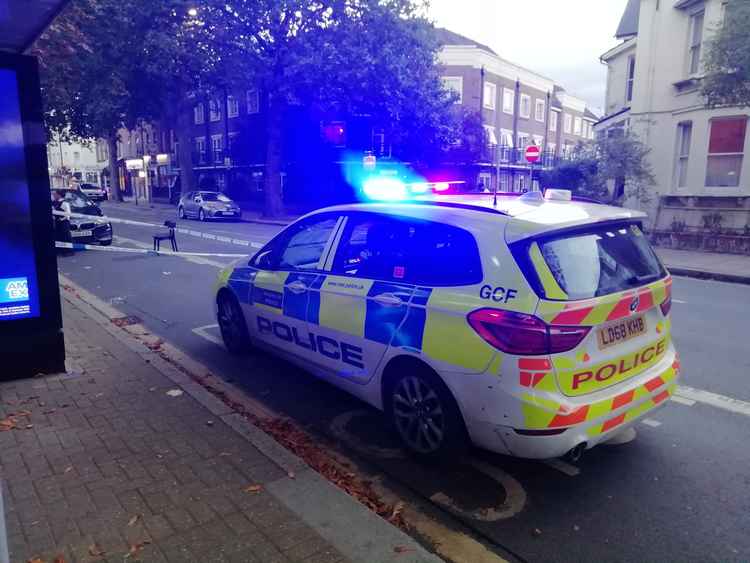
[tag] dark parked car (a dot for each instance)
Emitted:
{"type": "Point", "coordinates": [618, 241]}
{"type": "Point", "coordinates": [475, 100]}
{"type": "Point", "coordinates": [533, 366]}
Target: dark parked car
{"type": "Point", "coordinates": [85, 230]}
{"type": "Point", "coordinates": [203, 205]}
{"type": "Point", "coordinates": [94, 192]}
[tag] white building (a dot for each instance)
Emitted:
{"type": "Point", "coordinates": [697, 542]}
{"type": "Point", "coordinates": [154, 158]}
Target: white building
{"type": "Point", "coordinates": [653, 89]}
{"type": "Point", "coordinates": [73, 161]}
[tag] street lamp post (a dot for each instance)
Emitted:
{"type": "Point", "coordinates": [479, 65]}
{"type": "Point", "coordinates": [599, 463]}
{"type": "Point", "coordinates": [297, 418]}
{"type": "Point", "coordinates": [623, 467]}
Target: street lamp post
{"type": "Point", "coordinates": [146, 178]}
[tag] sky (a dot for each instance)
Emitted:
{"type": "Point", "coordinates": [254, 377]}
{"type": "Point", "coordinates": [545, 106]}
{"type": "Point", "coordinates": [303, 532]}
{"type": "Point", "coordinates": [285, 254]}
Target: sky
{"type": "Point", "coordinates": [560, 39]}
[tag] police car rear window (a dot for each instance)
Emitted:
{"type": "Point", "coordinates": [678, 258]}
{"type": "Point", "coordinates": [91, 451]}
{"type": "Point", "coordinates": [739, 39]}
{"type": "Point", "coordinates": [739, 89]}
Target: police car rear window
{"type": "Point", "coordinates": [408, 250]}
{"type": "Point", "coordinates": [601, 261]}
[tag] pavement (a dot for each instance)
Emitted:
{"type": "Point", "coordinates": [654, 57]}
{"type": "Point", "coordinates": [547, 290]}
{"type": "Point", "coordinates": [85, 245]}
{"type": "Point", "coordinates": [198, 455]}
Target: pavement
{"type": "Point", "coordinates": [127, 458]}
{"type": "Point", "coordinates": [679, 491]}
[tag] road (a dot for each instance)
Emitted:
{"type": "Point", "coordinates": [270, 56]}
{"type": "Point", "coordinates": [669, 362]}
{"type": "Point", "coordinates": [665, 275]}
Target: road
{"type": "Point", "coordinates": [679, 492]}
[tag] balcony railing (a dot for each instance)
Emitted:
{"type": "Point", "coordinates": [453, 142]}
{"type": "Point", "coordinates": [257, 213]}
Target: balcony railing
{"type": "Point", "coordinates": [506, 154]}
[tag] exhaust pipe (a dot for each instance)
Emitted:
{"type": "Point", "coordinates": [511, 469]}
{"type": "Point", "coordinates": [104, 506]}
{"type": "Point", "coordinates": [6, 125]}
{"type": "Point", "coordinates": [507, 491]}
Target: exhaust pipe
{"type": "Point", "coordinates": [575, 454]}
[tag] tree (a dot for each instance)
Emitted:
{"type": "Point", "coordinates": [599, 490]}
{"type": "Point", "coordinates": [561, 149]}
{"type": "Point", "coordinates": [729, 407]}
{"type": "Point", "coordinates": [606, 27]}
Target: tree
{"type": "Point", "coordinates": [468, 142]}
{"type": "Point", "coordinates": [613, 167]}
{"type": "Point", "coordinates": [89, 76]}
{"type": "Point", "coordinates": [337, 57]}
{"type": "Point", "coordinates": [109, 64]}
{"type": "Point", "coordinates": [727, 60]}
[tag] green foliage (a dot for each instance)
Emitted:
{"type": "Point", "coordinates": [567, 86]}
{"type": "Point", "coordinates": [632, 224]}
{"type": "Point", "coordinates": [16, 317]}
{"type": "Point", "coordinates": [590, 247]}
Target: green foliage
{"type": "Point", "coordinates": [727, 60]}
{"type": "Point", "coordinates": [112, 63]}
{"type": "Point", "coordinates": [620, 160]}
{"type": "Point", "coordinates": [468, 141]}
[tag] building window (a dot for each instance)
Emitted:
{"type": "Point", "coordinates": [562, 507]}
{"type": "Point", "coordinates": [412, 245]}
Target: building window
{"type": "Point", "coordinates": [553, 117]}
{"type": "Point", "coordinates": [525, 109]}
{"type": "Point", "coordinates": [200, 149]}
{"type": "Point", "coordinates": [509, 101]}
{"type": "Point", "coordinates": [491, 136]}
{"type": "Point", "coordinates": [684, 137]}
{"type": "Point", "coordinates": [490, 93]}
{"type": "Point", "coordinates": [217, 148]}
{"type": "Point", "coordinates": [726, 148]}
{"type": "Point", "coordinates": [454, 84]}
{"type": "Point", "coordinates": [198, 114]}
{"type": "Point", "coordinates": [568, 124]}
{"type": "Point", "coordinates": [631, 79]}
{"type": "Point", "coordinates": [233, 106]}
{"type": "Point", "coordinates": [696, 39]}
{"type": "Point", "coordinates": [214, 110]}
{"type": "Point", "coordinates": [539, 108]}
{"type": "Point", "coordinates": [523, 140]}
{"type": "Point", "coordinates": [253, 101]}
{"type": "Point", "coordinates": [577, 126]}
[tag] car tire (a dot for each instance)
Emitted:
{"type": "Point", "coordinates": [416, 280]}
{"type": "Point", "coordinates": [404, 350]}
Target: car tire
{"type": "Point", "coordinates": [232, 324]}
{"type": "Point", "coordinates": [105, 242]}
{"type": "Point", "coordinates": [425, 416]}
{"type": "Point", "coordinates": [201, 215]}
{"type": "Point", "coordinates": [181, 213]}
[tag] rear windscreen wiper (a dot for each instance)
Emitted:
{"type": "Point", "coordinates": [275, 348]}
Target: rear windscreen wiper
{"type": "Point", "coordinates": [646, 278]}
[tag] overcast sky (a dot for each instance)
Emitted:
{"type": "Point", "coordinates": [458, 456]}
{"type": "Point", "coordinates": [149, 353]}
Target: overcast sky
{"type": "Point", "coordinates": [561, 39]}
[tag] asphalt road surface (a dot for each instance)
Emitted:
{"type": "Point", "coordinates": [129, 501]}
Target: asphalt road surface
{"type": "Point", "coordinates": [679, 492]}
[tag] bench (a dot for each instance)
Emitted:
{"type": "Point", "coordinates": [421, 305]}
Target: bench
{"type": "Point", "coordinates": [170, 236]}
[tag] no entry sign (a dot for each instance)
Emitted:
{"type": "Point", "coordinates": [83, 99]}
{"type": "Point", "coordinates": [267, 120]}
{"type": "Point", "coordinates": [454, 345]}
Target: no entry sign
{"type": "Point", "coordinates": [532, 153]}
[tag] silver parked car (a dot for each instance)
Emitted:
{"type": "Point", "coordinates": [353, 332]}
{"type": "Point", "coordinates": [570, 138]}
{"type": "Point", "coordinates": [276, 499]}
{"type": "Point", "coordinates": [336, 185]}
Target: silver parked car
{"type": "Point", "coordinates": [203, 205]}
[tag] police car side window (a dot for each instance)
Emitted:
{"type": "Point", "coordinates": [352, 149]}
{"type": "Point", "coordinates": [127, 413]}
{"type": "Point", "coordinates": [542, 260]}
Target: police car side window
{"type": "Point", "coordinates": [408, 250]}
{"type": "Point", "coordinates": [304, 245]}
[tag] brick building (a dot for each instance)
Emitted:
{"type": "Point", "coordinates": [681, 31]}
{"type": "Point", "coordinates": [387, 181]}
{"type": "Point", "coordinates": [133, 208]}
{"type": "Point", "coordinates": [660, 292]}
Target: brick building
{"type": "Point", "coordinates": [519, 107]}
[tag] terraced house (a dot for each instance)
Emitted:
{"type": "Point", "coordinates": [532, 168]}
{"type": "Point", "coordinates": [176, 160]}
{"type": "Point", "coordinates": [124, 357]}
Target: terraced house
{"type": "Point", "coordinates": [697, 152]}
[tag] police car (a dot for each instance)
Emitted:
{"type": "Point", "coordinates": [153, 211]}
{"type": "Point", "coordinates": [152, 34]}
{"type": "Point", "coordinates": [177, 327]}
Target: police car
{"type": "Point", "coordinates": [530, 326]}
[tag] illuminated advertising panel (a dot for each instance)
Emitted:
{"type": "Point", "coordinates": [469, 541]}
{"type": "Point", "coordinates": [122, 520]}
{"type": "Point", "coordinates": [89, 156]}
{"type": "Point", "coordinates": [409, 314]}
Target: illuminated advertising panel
{"type": "Point", "coordinates": [19, 288]}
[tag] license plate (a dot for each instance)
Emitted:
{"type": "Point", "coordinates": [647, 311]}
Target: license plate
{"type": "Point", "coordinates": [81, 233]}
{"type": "Point", "coordinates": [621, 331]}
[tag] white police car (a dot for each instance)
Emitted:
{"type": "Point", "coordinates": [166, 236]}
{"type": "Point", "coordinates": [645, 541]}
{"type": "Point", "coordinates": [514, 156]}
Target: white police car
{"type": "Point", "coordinates": [534, 327]}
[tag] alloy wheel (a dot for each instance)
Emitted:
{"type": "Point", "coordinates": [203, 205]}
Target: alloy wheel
{"type": "Point", "coordinates": [418, 415]}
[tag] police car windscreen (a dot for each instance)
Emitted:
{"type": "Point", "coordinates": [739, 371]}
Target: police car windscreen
{"type": "Point", "coordinates": [602, 260]}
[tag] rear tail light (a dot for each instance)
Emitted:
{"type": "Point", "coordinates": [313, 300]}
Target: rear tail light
{"type": "Point", "coordinates": [666, 306]}
{"type": "Point", "coordinates": [524, 335]}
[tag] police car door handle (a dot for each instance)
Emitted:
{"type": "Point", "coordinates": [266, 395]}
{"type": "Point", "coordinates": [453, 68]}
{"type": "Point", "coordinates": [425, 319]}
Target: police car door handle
{"type": "Point", "coordinates": [388, 300]}
{"type": "Point", "coordinates": [297, 287]}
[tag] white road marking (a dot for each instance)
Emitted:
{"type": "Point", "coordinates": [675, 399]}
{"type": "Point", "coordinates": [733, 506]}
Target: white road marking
{"type": "Point", "coordinates": [562, 467]}
{"type": "Point", "coordinates": [202, 331]}
{"type": "Point", "coordinates": [682, 400]}
{"type": "Point", "coordinates": [651, 422]}
{"type": "Point", "coordinates": [715, 400]}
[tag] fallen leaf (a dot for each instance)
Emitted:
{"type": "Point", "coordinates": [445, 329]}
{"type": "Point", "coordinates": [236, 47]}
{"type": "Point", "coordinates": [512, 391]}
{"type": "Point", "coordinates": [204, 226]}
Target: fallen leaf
{"type": "Point", "coordinates": [536, 532]}
{"type": "Point", "coordinates": [51, 411]}
{"type": "Point", "coordinates": [134, 519]}
{"type": "Point", "coordinates": [96, 551]}
{"type": "Point", "coordinates": [398, 508]}
{"type": "Point", "coordinates": [136, 547]}
{"type": "Point", "coordinates": [68, 469]}
{"type": "Point", "coordinates": [59, 559]}
{"type": "Point", "coordinates": [291, 475]}
{"type": "Point", "coordinates": [29, 426]}
{"type": "Point", "coordinates": [174, 392]}
{"type": "Point", "coordinates": [209, 423]}
{"type": "Point", "coordinates": [402, 549]}
{"type": "Point", "coordinates": [152, 389]}
{"type": "Point", "coordinates": [253, 489]}
{"type": "Point", "coordinates": [34, 560]}
{"type": "Point", "coordinates": [23, 413]}
{"type": "Point", "coordinates": [223, 454]}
